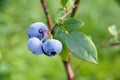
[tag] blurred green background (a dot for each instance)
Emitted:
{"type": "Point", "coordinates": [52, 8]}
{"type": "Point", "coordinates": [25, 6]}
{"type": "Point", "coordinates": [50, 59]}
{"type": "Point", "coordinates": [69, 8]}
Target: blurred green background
{"type": "Point", "coordinates": [17, 63]}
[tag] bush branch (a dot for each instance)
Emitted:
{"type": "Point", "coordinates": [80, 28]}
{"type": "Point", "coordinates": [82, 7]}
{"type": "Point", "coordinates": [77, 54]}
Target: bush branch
{"type": "Point", "coordinates": [67, 65]}
{"type": "Point", "coordinates": [74, 10]}
{"type": "Point", "coordinates": [48, 17]}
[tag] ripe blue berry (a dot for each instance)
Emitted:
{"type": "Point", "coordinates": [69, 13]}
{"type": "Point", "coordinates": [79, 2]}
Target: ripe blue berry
{"type": "Point", "coordinates": [52, 47]}
{"type": "Point", "coordinates": [35, 45]}
{"type": "Point", "coordinates": [37, 30]}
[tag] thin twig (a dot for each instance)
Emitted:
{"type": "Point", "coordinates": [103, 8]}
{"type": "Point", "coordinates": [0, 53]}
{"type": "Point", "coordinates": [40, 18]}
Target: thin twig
{"type": "Point", "coordinates": [65, 15]}
{"type": "Point", "coordinates": [115, 44]}
{"type": "Point", "coordinates": [102, 44]}
{"type": "Point", "coordinates": [48, 17]}
{"type": "Point", "coordinates": [69, 11]}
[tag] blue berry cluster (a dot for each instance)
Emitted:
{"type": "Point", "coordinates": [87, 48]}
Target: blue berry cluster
{"type": "Point", "coordinates": [38, 42]}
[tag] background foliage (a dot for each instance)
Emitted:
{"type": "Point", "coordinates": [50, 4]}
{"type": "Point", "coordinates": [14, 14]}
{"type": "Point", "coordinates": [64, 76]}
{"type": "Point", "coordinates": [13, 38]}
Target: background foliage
{"type": "Point", "coordinates": [17, 63]}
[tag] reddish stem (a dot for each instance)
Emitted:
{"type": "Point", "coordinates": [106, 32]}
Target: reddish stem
{"type": "Point", "coordinates": [68, 69]}
{"type": "Point", "coordinates": [48, 17]}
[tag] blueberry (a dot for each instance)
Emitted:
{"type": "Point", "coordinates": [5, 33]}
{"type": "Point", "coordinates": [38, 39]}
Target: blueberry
{"type": "Point", "coordinates": [52, 47]}
{"type": "Point", "coordinates": [37, 30]}
{"type": "Point", "coordinates": [35, 45]}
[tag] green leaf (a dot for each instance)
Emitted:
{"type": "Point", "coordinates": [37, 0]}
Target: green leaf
{"type": "Point", "coordinates": [72, 24]}
{"type": "Point", "coordinates": [67, 3]}
{"type": "Point", "coordinates": [59, 14]}
{"type": "Point", "coordinates": [80, 45]}
{"type": "Point", "coordinates": [56, 29]}
{"type": "Point", "coordinates": [65, 53]}
{"type": "Point", "coordinates": [113, 31]}
{"type": "Point", "coordinates": [64, 2]}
